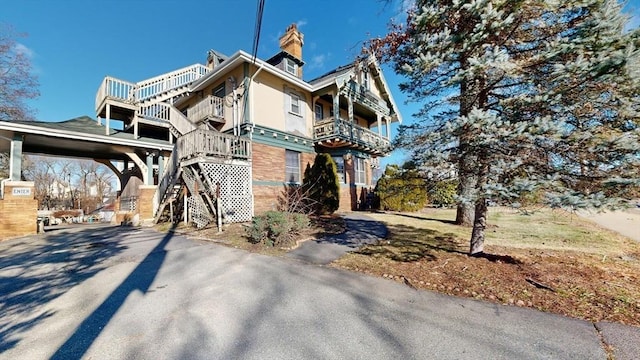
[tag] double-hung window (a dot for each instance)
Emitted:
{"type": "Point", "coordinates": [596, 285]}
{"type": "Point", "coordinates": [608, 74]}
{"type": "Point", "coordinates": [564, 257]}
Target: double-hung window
{"type": "Point", "coordinates": [290, 66]}
{"type": "Point", "coordinates": [294, 107]}
{"type": "Point", "coordinates": [358, 167]}
{"type": "Point", "coordinates": [339, 160]}
{"type": "Point", "coordinates": [292, 166]}
{"type": "Point", "coordinates": [319, 112]}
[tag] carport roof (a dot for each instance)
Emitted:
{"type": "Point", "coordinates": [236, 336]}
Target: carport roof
{"type": "Point", "coordinates": [79, 137]}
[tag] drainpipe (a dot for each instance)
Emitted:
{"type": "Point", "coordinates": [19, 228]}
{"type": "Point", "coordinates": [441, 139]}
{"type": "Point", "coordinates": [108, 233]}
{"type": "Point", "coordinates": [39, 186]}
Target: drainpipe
{"type": "Point", "coordinates": [251, 107]}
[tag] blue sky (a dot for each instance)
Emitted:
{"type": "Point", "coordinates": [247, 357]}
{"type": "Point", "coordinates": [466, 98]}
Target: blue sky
{"type": "Point", "coordinates": [75, 43]}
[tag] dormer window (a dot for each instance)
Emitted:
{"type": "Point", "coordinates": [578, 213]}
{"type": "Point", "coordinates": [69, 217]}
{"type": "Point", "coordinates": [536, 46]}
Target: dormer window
{"type": "Point", "coordinates": [290, 66]}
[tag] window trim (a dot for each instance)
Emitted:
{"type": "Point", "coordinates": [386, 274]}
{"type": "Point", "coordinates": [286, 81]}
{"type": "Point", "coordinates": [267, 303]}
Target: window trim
{"type": "Point", "coordinates": [357, 170]}
{"type": "Point", "coordinates": [317, 107]}
{"type": "Point", "coordinates": [290, 66]}
{"type": "Point", "coordinates": [298, 99]}
{"type": "Point", "coordinates": [287, 167]}
{"type": "Point", "coordinates": [340, 168]}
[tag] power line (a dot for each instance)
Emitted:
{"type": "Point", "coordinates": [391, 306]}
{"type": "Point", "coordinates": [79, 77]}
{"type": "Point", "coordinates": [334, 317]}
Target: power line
{"type": "Point", "coordinates": [258, 27]}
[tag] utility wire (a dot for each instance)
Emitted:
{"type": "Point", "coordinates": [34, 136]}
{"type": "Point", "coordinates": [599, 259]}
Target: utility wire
{"type": "Point", "coordinates": [258, 27]}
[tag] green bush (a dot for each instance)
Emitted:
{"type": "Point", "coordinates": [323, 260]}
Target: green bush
{"type": "Point", "coordinates": [276, 228]}
{"type": "Point", "coordinates": [443, 193]}
{"type": "Point", "coordinates": [401, 189]}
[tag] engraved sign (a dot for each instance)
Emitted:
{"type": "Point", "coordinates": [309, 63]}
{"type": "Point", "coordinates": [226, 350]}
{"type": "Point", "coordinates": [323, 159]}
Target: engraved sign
{"type": "Point", "coordinates": [21, 192]}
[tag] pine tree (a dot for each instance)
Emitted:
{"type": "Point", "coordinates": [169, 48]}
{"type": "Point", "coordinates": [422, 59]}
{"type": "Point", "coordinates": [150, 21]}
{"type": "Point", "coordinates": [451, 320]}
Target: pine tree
{"type": "Point", "coordinates": [401, 189]}
{"type": "Point", "coordinates": [525, 96]}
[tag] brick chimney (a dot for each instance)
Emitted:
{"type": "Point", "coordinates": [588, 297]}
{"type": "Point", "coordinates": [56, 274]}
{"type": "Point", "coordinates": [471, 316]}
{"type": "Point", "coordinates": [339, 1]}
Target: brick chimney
{"type": "Point", "coordinates": [292, 41]}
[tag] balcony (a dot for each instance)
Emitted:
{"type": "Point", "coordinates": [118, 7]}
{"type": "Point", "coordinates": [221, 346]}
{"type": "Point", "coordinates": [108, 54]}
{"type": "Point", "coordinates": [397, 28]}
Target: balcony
{"type": "Point", "coordinates": [201, 143]}
{"type": "Point", "coordinates": [336, 133]}
{"type": "Point", "coordinates": [210, 108]}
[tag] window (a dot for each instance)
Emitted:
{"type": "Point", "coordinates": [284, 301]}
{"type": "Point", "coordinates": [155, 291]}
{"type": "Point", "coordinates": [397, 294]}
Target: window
{"type": "Point", "coordinates": [295, 104]}
{"type": "Point", "coordinates": [290, 66]}
{"type": "Point", "coordinates": [339, 160]}
{"type": "Point", "coordinates": [365, 80]}
{"type": "Point", "coordinates": [358, 167]}
{"type": "Point", "coordinates": [292, 166]}
{"type": "Point", "coordinates": [319, 112]}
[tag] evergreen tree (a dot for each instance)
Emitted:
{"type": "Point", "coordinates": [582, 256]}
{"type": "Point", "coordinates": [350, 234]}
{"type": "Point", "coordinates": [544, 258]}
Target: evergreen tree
{"type": "Point", "coordinates": [322, 185]}
{"type": "Point", "coordinates": [529, 96]}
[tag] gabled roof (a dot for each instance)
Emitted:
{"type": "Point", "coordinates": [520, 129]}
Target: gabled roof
{"type": "Point", "coordinates": [340, 70]}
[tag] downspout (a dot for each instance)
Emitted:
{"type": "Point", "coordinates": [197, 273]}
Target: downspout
{"type": "Point", "coordinates": [251, 105]}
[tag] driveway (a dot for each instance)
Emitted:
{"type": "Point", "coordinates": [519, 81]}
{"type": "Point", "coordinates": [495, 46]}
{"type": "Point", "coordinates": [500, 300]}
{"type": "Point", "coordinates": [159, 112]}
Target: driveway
{"type": "Point", "coordinates": [625, 222]}
{"type": "Point", "coordinates": [126, 293]}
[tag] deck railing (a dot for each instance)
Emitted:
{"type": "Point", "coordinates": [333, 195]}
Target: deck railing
{"type": "Point", "coordinates": [112, 88]}
{"type": "Point", "coordinates": [346, 130]}
{"type": "Point", "coordinates": [164, 112]}
{"type": "Point", "coordinates": [212, 143]}
{"type": "Point", "coordinates": [209, 107]}
{"type": "Point", "coordinates": [169, 81]}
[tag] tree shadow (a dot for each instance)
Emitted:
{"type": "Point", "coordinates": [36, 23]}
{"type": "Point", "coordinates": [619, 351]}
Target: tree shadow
{"type": "Point", "coordinates": [36, 270]}
{"type": "Point", "coordinates": [139, 279]}
{"type": "Point", "coordinates": [507, 259]}
{"type": "Point", "coordinates": [452, 222]}
{"type": "Point", "coordinates": [411, 244]}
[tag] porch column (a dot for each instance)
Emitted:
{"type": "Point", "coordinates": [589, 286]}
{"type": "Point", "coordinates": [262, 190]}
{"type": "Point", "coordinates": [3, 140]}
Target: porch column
{"type": "Point", "coordinates": [135, 128]}
{"type": "Point", "coordinates": [160, 168]}
{"type": "Point", "coordinates": [106, 120]}
{"type": "Point", "coordinates": [378, 116]}
{"type": "Point", "coordinates": [350, 109]}
{"type": "Point", "coordinates": [149, 178]}
{"type": "Point", "coordinates": [386, 121]}
{"type": "Point", "coordinates": [336, 105]}
{"type": "Point", "coordinates": [15, 161]}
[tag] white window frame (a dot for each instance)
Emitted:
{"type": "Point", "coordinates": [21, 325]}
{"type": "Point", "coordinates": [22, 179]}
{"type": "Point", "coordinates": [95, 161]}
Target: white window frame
{"type": "Point", "coordinates": [321, 112]}
{"type": "Point", "coordinates": [359, 171]}
{"type": "Point", "coordinates": [290, 66]}
{"type": "Point", "coordinates": [339, 160]}
{"type": "Point", "coordinates": [365, 80]}
{"type": "Point", "coordinates": [291, 171]}
{"type": "Point", "coordinates": [295, 99]}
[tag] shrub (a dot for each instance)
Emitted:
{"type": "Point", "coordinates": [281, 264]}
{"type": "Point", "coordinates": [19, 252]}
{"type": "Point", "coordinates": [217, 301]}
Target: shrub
{"type": "Point", "coordinates": [443, 193]}
{"type": "Point", "coordinates": [401, 189]}
{"type": "Point", "coordinates": [277, 228]}
{"type": "Point", "coordinates": [322, 185]}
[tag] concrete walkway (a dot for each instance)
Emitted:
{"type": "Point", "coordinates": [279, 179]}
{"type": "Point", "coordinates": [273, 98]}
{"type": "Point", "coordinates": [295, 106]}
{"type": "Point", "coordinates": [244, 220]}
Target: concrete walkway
{"type": "Point", "coordinates": [361, 230]}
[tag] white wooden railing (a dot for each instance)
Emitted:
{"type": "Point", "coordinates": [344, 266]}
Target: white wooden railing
{"type": "Point", "coordinates": [202, 142]}
{"type": "Point", "coordinates": [169, 81]}
{"type": "Point", "coordinates": [330, 128]}
{"type": "Point", "coordinates": [165, 112]}
{"type": "Point", "coordinates": [211, 106]}
{"type": "Point", "coordinates": [112, 88]}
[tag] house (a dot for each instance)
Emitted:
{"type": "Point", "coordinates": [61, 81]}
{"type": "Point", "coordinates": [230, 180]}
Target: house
{"type": "Point", "coordinates": [244, 128]}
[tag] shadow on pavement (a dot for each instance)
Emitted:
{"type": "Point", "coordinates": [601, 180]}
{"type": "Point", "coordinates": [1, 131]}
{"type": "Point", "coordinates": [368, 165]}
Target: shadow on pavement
{"type": "Point", "coordinates": [139, 279]}
{"type": "Point", "coordinates": [36, 270]}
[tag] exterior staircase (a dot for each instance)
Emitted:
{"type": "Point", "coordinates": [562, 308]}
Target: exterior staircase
{"type": "Point", "coordinates": [213, 166]}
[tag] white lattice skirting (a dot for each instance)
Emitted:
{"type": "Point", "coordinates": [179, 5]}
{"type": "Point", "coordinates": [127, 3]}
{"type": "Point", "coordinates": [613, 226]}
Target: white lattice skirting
{"type": "Point", "coordinates": [235, 189]}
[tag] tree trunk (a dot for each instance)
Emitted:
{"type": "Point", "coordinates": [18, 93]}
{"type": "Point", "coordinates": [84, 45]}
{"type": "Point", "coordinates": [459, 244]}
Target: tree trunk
{"type": "Point", "coordinates": [466, 190]}
{"type": "Point", "coordinates": [479, 226]}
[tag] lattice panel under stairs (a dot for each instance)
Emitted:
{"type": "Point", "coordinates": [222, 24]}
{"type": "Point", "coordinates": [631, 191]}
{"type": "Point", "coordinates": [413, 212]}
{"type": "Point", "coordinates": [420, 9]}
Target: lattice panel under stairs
{"type": "Point", "coordinates": [198, 211]}
{"type": "Point", "coordinates": [235, 189]}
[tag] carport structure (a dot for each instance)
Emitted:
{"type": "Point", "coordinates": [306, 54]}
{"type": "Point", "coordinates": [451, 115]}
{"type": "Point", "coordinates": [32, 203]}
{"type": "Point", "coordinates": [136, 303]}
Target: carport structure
{"type": "Point", "coordinates": [85, 138]}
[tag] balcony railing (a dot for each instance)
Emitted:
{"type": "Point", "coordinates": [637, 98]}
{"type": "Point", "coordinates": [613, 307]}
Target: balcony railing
{"type": "Point", "coordinates": [332, 129]}
{"type": "Point", "coordinates": [207, 143]}
{"type": "Point", "coordinates": [209, 108]}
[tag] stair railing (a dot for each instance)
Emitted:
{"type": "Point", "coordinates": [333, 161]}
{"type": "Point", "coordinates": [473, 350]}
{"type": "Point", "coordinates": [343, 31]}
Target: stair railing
{"type": "Point", "coordinates": [166, 82]}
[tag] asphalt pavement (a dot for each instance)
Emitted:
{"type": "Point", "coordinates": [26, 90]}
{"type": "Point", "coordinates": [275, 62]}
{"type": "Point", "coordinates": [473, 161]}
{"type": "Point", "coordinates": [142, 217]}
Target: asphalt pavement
{"type": "Point", "coordinates": [129, 293]}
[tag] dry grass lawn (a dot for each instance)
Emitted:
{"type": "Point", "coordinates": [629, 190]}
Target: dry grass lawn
{"type": "Point", "coordinates": [551, 260]}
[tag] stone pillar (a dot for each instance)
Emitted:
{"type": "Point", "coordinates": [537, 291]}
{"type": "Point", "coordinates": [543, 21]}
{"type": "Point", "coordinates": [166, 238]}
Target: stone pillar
{"type": "Point", "coordinates": [145, 202]}
{"type": "Point", "coordinates": [18, 210]}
